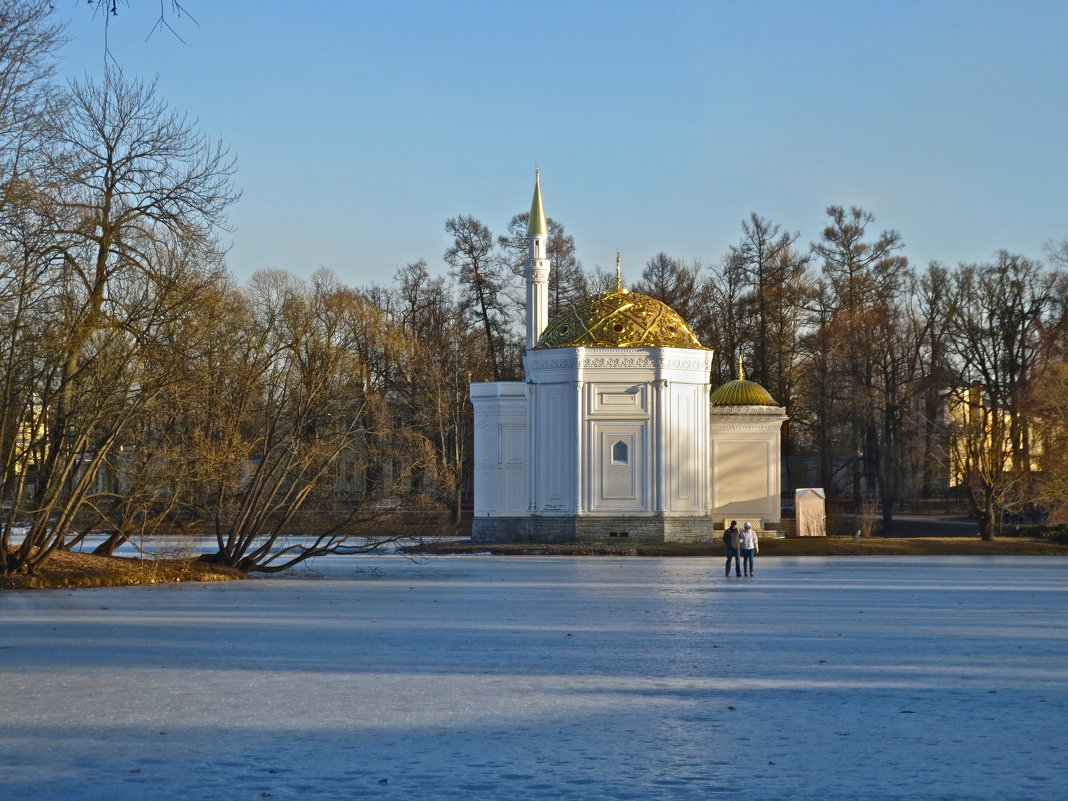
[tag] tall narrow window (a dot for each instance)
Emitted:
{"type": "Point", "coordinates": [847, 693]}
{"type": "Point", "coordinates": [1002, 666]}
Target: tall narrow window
{"type": "Point", "coordinates": [620, 453]}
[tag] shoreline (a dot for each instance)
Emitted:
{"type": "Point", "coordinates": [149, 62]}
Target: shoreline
{"type": "Point", "coordinates": [76, 570]}
{"type": "Point", "coordinates": [793, 546]}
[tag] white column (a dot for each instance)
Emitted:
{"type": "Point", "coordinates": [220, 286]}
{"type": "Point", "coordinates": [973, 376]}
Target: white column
{"type": "Point", "coordinates": [532, 431]}
{"type": "Point", "coordinates": [583, 451]}
{"type": "Point", "coordinates": [659, 443]}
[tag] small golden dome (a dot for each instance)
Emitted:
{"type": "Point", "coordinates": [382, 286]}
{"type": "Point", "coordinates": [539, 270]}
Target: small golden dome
{"type": "Point", "coordinates": [741, 392]}
{"type": "Point", "coordinates": [618, 319]}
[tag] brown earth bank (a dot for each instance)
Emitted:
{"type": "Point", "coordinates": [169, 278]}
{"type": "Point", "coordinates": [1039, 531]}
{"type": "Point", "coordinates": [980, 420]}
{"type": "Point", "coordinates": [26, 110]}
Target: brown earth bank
{"type": "Point", "coordinates": [67, 569]}
{"type": "Point", "coordinates": [814, 546]}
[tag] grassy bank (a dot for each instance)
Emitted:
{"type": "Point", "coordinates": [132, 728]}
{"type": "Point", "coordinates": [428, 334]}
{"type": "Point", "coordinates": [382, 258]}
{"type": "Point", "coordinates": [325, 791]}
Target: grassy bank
{"type": "Point", "coordinates": [67, 570]}
{"type": "Point", "coordinates": [808, 546]}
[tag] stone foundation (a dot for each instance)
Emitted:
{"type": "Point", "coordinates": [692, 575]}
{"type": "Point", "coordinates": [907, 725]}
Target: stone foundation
{"type": "Point", "coordinates": [649, 530]}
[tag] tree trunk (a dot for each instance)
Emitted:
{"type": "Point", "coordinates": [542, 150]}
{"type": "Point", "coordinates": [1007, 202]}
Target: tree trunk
{"type": "Point", "coordinates": [108, 546]}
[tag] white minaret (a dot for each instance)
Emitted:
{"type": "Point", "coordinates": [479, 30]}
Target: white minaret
{"type": "Point", "coordinates": [537, 268]}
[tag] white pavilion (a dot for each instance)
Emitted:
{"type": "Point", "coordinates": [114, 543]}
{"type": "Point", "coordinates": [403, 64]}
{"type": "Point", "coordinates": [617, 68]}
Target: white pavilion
{"type": "Point", "coordinates": [616, 433]}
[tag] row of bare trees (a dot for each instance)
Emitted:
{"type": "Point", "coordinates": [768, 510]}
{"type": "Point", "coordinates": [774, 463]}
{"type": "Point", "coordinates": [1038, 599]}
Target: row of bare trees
{"type": "Point", "coordinates": [141, 387]}
{"type": "Point", "coordinates": [107, 218]}
{"type": "Point", "coordinates": [901, 383]}
{"type": "Point", "coordinates": [143, 390]}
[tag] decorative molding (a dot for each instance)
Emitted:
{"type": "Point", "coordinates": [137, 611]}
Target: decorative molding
{"type": "Point", "coordinates": [619, 362]}
{"type": "Point", "coordinates": [515, 407]}
{"type": "Point", "coordinates": [769, 426]}
{"type": "Point", "coordinates": [500, 410]}
{"type": "Point", "coordinates": [616, 362]}
{"type": "Point", "coordinates": [752, 411]}
{"type": "Point", "coordinates": [686, 364]}
{"type": "Point", "coordinates": [555, 364]}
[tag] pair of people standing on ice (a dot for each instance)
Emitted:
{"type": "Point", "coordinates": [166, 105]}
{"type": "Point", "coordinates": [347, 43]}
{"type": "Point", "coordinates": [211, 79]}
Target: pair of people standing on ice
{"type": "Point", "coordinates": [742, 546]}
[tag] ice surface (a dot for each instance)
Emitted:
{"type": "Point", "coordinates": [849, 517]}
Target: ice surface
{"type": "Point", "coordinates": [546, 678]}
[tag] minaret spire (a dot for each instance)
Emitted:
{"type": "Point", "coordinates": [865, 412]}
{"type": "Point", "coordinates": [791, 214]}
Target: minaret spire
{"type": "Point", "coordinates": [536, 225]}
{"type": "Point", "coordinates": [537, 267]}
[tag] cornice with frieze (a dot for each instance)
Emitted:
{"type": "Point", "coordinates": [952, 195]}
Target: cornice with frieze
{"type": "Point", "coordinates": [751, 427]}
{"type": "Point", "coordinates": [618, 363]}
{"type": "Point", "coordinates": [770, 412]}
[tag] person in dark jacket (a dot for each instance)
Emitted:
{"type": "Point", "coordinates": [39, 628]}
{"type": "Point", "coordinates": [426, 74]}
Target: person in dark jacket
{"type": "Point", "coordinates": [732, 538]}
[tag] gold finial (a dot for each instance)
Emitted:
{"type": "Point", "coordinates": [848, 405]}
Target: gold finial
{"type": "Point", "coordinates": [741, 370]}
{"type": "Point", "coordinates": [619, 273]}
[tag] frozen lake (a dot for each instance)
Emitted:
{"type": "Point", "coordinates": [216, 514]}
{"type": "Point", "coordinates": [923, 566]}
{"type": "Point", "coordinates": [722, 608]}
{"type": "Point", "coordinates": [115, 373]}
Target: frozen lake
{"type": "Point", "coordinates": [546, 678]}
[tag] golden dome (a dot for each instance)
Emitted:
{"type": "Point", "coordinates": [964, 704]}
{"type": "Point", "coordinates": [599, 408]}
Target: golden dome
{"type": "Point", "coordinates": [741, 392]}
{"type": "Point", "coordinates": [618, 319]}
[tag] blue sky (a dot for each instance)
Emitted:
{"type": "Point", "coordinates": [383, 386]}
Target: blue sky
{"type": "Point", "coordinates": [361, 127]}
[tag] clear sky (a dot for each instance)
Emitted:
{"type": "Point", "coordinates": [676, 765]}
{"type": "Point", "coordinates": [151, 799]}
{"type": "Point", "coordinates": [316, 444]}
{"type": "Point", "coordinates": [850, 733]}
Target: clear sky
{"type": "Point", "coordinates": [360, 127]}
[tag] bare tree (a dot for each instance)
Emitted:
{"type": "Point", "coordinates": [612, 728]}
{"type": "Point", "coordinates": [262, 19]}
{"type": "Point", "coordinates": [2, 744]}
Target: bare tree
{"type": "Point", "coordinates": [927, 320]}
{"type": "Point", "coordinates": [126, 187]}
{"type": "Point", "coordinates": [719, 325]}
{"type": "Point", "coordinates": [28, 43]}
{"type": "Point", "coordinates": [671, 281]}
{"type": "Point", "coordinates": [145, 481]}
{"type": "Point", "coordinates": [481, 277]}
{"type": "Point", "coordinates": [443, 357]}
{"type": "Point", "coordinates": [683, 287]}
{"type": "Point", "coordinates": [821, 391]}
{"type": "Point", "coordinates": [1049, 406]}
{"type": "Point", "coordinates": [567, 282]}
{"type": "Point", "coordinates": [1057, 252]}
{"type": "Point", "coordinates": [863, 286]}
{"type": "Point", "coordinates": [291, 398]}
{"type": "Point", "coordinates": [777, 292]}
{"type": "Point", "coordinates": [169, 12]}
{"type": "Point", "coordinates": [1004, 320]}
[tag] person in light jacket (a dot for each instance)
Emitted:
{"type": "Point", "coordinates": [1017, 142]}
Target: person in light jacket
{"type": "Point", "coordinates": [750, 546]}
{"type": "Point", "coordinates": [732, 538]}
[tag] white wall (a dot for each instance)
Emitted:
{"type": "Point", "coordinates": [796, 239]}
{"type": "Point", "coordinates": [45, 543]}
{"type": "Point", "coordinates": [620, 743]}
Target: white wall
{"type": "Point", "coordinates": [502, 449]}
{"type": "Point", "coordinates": [653, 400]}
{"type": "Point", "coordinates": [746, 473]}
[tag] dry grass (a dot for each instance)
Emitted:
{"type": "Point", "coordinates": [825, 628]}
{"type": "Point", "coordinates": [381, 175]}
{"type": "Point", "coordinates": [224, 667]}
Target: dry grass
{"type": "Point", "coordinates": [66, 569]}
{"type": "Point", "coordinates": [808, 546]}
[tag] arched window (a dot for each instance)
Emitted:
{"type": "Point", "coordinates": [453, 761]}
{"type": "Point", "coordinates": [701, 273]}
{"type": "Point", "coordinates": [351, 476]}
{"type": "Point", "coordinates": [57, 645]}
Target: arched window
{"type": "Point", "coordinates": [620, 453]}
